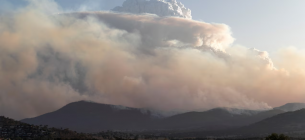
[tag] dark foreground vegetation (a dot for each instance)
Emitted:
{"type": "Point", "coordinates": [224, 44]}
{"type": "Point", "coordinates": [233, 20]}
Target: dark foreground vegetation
{"type": "Point", "coordinates": [15, 130]}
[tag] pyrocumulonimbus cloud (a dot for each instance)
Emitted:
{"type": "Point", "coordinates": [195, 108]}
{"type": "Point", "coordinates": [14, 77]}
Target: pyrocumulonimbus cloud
{"type": "Point", "coordinates": [162, 8]}
{"type": "Point", "coordinates": [47, 61]}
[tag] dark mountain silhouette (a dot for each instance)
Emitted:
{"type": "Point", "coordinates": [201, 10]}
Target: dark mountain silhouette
{"type": "Point", "coordinates": [215, 119]}
{"type": "Point", "coordinates": [93, 117]}
{"type": "Point", "coordinates": [291, 107]}
{"type": "Point", "coordinates": [285, 122]}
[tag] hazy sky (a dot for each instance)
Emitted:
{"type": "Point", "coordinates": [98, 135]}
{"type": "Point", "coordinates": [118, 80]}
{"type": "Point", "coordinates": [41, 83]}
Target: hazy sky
{"type": "Point", "coordinates": [265, 25]}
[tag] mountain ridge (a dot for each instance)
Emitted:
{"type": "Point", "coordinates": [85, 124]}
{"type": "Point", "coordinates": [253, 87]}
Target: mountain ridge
{"type": "Point", "coordinates": [100, 117]}
{"type": "Point", "coordinates": [291, 107]}
{"type": "Point", "coordinates": [285, 122]}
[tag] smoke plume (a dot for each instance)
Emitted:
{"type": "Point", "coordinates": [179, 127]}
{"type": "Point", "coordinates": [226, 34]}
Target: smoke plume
{"type": "Point", "coordinates": [166, 64]}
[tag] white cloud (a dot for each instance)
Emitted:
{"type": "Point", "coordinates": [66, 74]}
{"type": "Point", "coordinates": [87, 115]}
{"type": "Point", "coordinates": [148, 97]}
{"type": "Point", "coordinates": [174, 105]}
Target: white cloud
{"type": "Point", "coordinates": [161, 8]}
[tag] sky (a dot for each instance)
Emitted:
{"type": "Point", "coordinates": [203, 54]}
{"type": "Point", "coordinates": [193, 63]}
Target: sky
{"type": "Point", "coordinates": [265, 25]}
{"type": "Point", "coordinates": [146, 61]}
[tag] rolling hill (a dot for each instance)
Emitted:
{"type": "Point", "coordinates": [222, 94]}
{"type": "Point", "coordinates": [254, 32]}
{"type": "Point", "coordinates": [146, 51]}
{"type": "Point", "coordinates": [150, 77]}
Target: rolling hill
{"type": "Point", "coordinates": [291, 107]}
{"type": "Point", "coordinates": [93, 117]}
{"type": "Point", "coordinates": [215, 119]}
{"type": "Point", "coordinates": [292, 122]}
{"type": "Point", "coordinates": [285, 122]}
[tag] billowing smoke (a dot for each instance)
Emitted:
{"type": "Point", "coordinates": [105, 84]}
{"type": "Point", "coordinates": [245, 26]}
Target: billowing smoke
{"type": "Point", "coordinates": [161, 8]}
{"type": "Point", "coordinates": [167, 64]}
